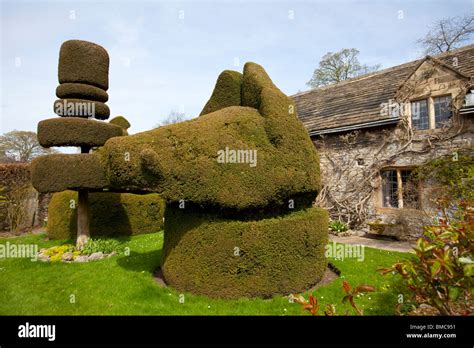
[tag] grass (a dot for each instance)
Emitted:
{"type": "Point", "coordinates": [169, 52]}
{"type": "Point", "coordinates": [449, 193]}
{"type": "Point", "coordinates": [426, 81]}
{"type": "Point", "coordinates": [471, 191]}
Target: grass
{"type": "Point", "coordinates": [124, 285]}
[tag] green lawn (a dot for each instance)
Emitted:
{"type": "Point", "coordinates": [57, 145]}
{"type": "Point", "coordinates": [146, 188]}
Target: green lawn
{"type": "Point", "coordinates": [123, 285]}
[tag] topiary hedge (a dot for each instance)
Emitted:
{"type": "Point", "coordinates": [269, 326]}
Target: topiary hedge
{"type": "Point", "coordinates": [83, 62]}
{"type": "Point", "coordinates": [60, 172]}
{"type": "Point", "coordinates": [112, 214]}
{"type": "Point", "coordinates": [226, 92]}
{"type": "Point", "coordinates": [279, 255]}
{"type": "Point", "coordinates": [81, 91]}
{"type": "Point", "coordinates": [75, 131]}
{"type": "Point", "coordinates": [122, 122]}
{"type": "Point", "coordinates": [180, 161]}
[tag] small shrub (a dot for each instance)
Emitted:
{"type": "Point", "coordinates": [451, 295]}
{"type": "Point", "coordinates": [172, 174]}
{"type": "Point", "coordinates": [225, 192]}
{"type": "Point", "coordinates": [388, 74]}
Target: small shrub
{"type": "Point", "coordinates": [338, 226]}
{"type": "Point", "coordinates": [313, 306]}
{"type": "Point", "coordinates": [440, 274]}
{"type": "Point", "coordinates": [105, 246]}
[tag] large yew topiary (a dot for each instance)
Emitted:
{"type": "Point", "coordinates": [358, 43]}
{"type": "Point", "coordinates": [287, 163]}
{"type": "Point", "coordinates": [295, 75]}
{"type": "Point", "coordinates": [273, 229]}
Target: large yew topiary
{"type": "Point", "coordinates": [265, 210]}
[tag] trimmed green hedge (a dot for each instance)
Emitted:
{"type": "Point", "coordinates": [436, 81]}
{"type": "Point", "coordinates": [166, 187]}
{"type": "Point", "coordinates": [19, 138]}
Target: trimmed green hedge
{"type": "Point", "coordinates": [226, 92]}
{"type": "Point", "coordinates": [280, 255]}
{"type": "Point", "coordinates": [60, 172]}
{"type": "Point", "coordinates": [180, 161]}
{"type": "Point", "coordinates": [112, 214]}
{"type": "Point", "coordinates": [83, 62]}
{"type": "Point", "coordinates": [81, 91]}
{"type": "Point", "coordinates": [75, 131]}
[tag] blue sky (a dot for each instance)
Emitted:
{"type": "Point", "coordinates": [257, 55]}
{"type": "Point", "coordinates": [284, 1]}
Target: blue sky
{"type": "Point", "coordinates": [166, 55]}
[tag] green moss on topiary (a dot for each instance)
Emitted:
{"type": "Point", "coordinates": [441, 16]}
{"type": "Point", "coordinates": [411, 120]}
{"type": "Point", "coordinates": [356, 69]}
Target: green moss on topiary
{"type": "Point", "coordinates": [81, 108]}
{"type": "Point", "coordinates": [74, 131]}
{"type": "Point", "coordinates": [83, 62]}
{"type": "Point", "coordinates": [81, 91]}
{"type": "Point", "coordinates": [60, 172]}
{"type": "Point", "coordinates": [111, 214]}
{"type": "Point", "coordinates": [226, 92]}
{"type": "Point", "coordinates": [279, 255]}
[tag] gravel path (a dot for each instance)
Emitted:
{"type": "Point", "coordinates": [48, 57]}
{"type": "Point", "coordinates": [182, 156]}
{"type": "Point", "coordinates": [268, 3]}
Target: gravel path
{"type": "Point", "coordinates": [390, 245]}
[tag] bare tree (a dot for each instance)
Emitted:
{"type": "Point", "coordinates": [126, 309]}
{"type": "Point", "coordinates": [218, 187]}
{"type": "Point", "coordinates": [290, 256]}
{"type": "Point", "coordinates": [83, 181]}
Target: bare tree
{"type": "Point", "coordinates": [173, 117]}
{"type": "Point", "coordinates": [20, 146]}
{"type": "Point", "coordinates": [447, 34]}
{"type": "Point", "coordinates": [339, 66]}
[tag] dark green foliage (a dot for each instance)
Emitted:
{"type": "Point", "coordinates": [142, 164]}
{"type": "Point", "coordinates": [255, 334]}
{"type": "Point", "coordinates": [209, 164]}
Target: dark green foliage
{"type": "Point", "coordinates": [282, 125]}
{"type": "Point", "coordinates": [122, 122]}
{"type": "Point", "coordinates": [226, 92]}
{"type": "Point", "coordinates": [81, 91]}
{"type": "Point", "coordinates": [279, 255]}
{"type": "Point", "coordinates": [453, 172]}
{"type": "Point", "coordinates": [255, 78]}
{"type": "Point", "coordinates": [82, 108]}
{"type": "Point", "coordinates": [112, 214]}
{"type": "Point", "coordinates": [83, 62]}
{"type": "Point", "coordinates": [180, 160]}
{"type": "Point", "coordinates": [60, 172]}
{"type": "Point", "coordinates": [75, 131]}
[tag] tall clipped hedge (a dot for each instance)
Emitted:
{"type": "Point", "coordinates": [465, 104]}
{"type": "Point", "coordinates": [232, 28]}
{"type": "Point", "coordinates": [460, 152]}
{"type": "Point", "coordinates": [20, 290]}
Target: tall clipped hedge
{"type": "Point", "coordinates": [207, 254]}
{"type": "Point", "coordinates": [112, 214]}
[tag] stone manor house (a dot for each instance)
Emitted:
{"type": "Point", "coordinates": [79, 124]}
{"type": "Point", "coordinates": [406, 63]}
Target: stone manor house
{"type": "Point", "coordinates": [373, 130]}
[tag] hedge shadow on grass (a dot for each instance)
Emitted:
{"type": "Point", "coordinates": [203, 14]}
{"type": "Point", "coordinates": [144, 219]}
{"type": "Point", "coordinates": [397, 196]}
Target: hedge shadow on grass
{"type": "Point", "coordinates": [139, 262]}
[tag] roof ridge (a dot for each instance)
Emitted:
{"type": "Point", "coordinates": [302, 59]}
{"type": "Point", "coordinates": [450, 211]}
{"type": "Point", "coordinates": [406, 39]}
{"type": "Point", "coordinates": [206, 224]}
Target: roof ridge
{"type": "Point", "coordinates": [386, 70]}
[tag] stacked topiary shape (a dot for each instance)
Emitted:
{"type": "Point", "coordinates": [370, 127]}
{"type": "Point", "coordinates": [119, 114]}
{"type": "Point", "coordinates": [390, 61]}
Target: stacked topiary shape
{"type": "Point", "coordinates": [83, 76]}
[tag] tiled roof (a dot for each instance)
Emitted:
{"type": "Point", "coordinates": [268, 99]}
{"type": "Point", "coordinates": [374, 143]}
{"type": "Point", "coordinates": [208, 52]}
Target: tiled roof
{"type": "Point", "coordinates": [355, 103]}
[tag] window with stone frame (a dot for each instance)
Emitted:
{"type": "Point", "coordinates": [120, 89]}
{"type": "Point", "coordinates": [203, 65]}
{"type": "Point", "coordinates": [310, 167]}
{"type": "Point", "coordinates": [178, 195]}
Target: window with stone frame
{"type": "Point", "coordinates": [442, 110]}
{"type": "Point", "coordinates": [399, 189]}
{"type": "Point", "coordinates": [431, 113]}
{"type": "Point", "coordinates": [419, 114]}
